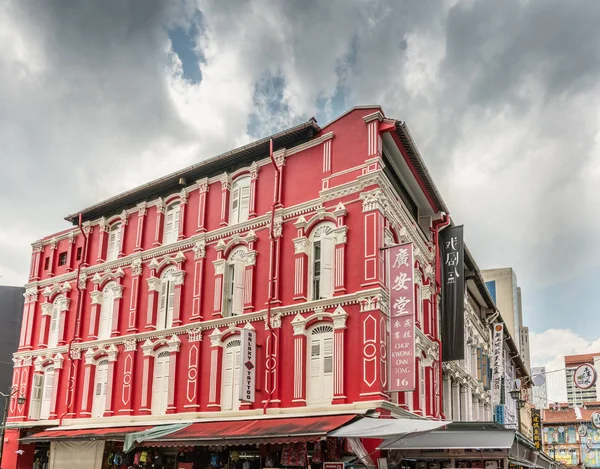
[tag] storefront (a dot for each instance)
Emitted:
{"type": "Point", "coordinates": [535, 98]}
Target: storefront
{"type": "Point", "coordinates": [324, 442]}
{"type": "Point", "coordinates": [460, 445]}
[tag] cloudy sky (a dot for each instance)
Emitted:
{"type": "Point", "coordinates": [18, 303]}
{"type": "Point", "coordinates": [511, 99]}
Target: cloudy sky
{"type": "Point", "coordinates": [503, 99]}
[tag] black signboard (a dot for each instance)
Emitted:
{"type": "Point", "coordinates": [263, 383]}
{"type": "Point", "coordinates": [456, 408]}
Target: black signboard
{"type": "Point", "coordinates": [536, 421]}
{"type": "Point", "coordinates": [453, 294]}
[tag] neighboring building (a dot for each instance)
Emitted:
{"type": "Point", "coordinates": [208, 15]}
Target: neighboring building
{"type": "Point", "coordinates": [11, 310]}
{"type": "Point", "coordinates": [173, 272]}
{"type": "Point", "coordinates": [502, 284]}
{"type": "Point", "coordinates": [574, 394]}
{"type": "Point", "coordinates": [571, 438]}
{"type": "Point", "coordinates": [540, 393]}
{"type": "Point", "coordinates": [467, 382]}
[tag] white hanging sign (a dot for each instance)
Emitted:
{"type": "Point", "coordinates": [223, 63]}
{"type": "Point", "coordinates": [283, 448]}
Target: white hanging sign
{"type": "Point", "coordinates": [248, 366]}
{"type": "Point", "coordinates": [497, 363]}
{"type": "Point", "coordinates": [585, 376]}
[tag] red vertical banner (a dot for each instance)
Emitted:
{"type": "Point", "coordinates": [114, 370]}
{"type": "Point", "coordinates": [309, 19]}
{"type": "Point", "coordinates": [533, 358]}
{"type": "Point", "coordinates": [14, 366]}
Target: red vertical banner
{"type": "Point", "coordinates": [402, 318]}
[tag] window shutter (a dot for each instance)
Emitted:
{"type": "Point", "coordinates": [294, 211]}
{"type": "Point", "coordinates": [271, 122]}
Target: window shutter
{"type": "Point", "coordinates": [114, 240]}
{"type": "Point", "coordinates": [237, 378]}
{"type": "Point", "coordinates": [327, 391]}
{"type": "Point", "coordinates": [99, 404]}
{"type": "Point", "coordinates": [327, 252]}
{"type": "Point", "coordinates": [244, 203]}
{"type": "Point", "coordinates": [228, 371]}
{"type": "Point", "coordinates": [238, 286]}
{"type": "Point", "coordinates": [47, 394]}
{"type": "Point", "coordinates": [36, 396]}
{"type": "Point", "coordinates": [175, 231]}
{"type": "Point", "coordinates": [54, 326]}
{"type": "Point", "coordinates": [160, 384]}
{"type": "Point", "coordinates": [106, 311]}
{"type": "Point", "coordinates": [170, 303]}
{"type": "Point", "coordinates": [162, 306]}
{"type": "Point", "coordinates": [316, 387]}
{"type": "Point", "coordinates": [235, 201]}
{"type": "Point", "coordinates": [164, 401]}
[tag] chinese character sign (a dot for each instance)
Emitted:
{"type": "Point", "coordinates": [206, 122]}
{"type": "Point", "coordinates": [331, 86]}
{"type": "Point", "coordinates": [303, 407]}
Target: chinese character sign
{"type": "Point", "coordinates": [536, 423]}
{"type": "Point", "coordinates": [497, 362]}
{"type": "Point", "coordinates": [453, 293]}
{"type": "Point", "coordinates": [585, 376]}
{"type": "Point", "coordinates": [402, 318]}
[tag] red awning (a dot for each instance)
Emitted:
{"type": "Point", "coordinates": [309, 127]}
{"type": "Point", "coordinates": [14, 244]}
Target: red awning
{"type": "Point", "coordinates": [259, 431]}
{"type": "Point", "coordinates": [115, 433]}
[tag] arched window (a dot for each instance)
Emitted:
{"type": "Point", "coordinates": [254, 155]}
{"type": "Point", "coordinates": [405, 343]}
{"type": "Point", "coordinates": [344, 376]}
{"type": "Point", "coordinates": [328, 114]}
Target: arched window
{"type": "Point", "coordinates": [240, 200]}
{"type": "Point", "coordinates": [55, 322]}
{"type": "Point", "coordinates": [233, 286]}
{"type": "Point", "coordinates": [167, 297]}
{"type": "Point", "coordinates": [321, 262]}
{"type": "Point", "coordinates": [160, 383]}
{"type": "Point", "coordinates": [171, 230]}
{"type": "Point", "coordinates": [114, 241]}
{"type": "Point", "coordinates": [230, 379]}
{"type": "Point", "coordinates": [99, 404]}
{"type": "Point", "coordinates": [106, 311]}
{"type": "Point", "coordinates": [47, 389]}
{"type": "Point", "coordinates": [320, 365]}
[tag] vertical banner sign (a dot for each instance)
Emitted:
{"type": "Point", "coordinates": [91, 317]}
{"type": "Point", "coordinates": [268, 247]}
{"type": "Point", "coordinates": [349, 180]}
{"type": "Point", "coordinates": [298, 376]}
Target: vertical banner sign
{"type": "Point", "coordinates": [497, 362]}
{"type": "Point", "coordinates": [402, 317]}
{"type": "Point", "coordinates": [536, 423]}
{"type": "Point", "coordinates": [453, 294]}
{"type": "Point", "coordinates": [248, 366]}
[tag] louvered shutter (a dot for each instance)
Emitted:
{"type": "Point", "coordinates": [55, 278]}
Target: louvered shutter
{"type": "Point", "coordinates": [244, 203]}
{"type": "Point", "coordinates": [106, 310]}
{"type": "Point", "coordinates": [238, 286]}
{"type": "Point", "coordinates": [164, 401]}
{"type": "Point", "coordinates": [162, 305]}
{"type": "Point", "coordinates": [175, 231]}
{"type": "Point", "coordinates": [327, 253]}
{"type": "Point", "coordinates": [160, 385]}
{"type": "Point", "coordinates": [170, 303]}
{"type": "Point", "coordinates": [236, 378]}
{"type": "Point", "coordinates": [168, 227]}
{"type": "Point", "coordinates": [99, 404]}
{"type": "Point", "coordinates": [227, 387]}
{"type": "Point", "coordinates": [36, 396]}
{"type": "Point", "coordinates": [327, 390]}
{"type": "Point", "coordinates": [235, 202]}
{"type": "Point", "coordinates": [114, 241]}
{"type": "Point", "coordinates": [47, 394]}
{"type": "Point", "coordinates": [54, 326]}
{"type": "Point", "coordinates": [315, 387]}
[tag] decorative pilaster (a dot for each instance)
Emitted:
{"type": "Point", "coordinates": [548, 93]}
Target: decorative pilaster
{"type": "Point", "coordinates": [216, 357]}
{"type": "Point", "coordinates": [102, 234]}
{"type": "Point", "coordinates": [300, 355]}
{"type": "Point", "coordinates": [153, 292]}
{"type": "Point", "coordinates": [174, 346]}
{"type": "Point", "coordinates": [53, 246]}
{"type": "Point", "coordinates": [124, 222]}
{"type": "Point", "coordinates": [253, 181]}
{"type": "Point", "coordinates": [464, 403]}
{"type": "Point", "coordinates": [340, 249]}
{"type": "Point", "coordinates": [118, 293]}
{"type": "Point", "coordinates": [95, 313]}
{"type": "Point", "coordinates": [178, 277]}
{"type": "Point", "coordinates": [339, 329]}
{"type": "Point", "coordinates": [456, 413]}
{"type": "Point", "coordinates": [225, 194]}
{"type": "Point", "coordinates": [192, 395]}
{"type": "Point", "coordinates": [183, 197]}
{"type": "Point", "coordinates": [147, 378]}
{"type": "Point", "coordinates": [70, 249]}
{"type": "Point", "coordinates": [272, 362]}
{"type": "Point", "coordinates": [36, 259]}
{"type": "Point", "coordinates": [447, 397]}
{"type": "Point", "coordinates": [158, 227]}
{"type": "Point", "coordinates": [139, 235]}
{"type": "Point", "coordinates": [31, 297]}
{"type": "Point", "coordinates": [202, 197]}
{"type": "Point", "coordinates": [199, 255]}
{"type": "Point", "coordinates": [58, 365]}
{"type": "Point", "coordinates": [112, 359]}
{"type": "Point", "coordinates": [219, 266]}
{"type": "Point", "coordinates": [301, 251]}
{"type": "Point", "coordinates": [46, 315]}
{"type": "Point", "coordinates": [370, 317]}
{"type": "Point", "coordinates": [374, 262]}
{"type": "Point", "coordinates": [130, 346]}
{"type": "Point", "coordinates": [136, 272]}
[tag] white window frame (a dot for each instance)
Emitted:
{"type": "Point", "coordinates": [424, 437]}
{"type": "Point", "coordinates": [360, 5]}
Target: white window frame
{"type": "Point", "coordinates": [160, 383]}
{"type": "Point", "coordinates": [100, 385]}
{"type": "Point", "coordinates": [171, 225]}
{"type": "Point", "coordinates": [47, 392]}
{"type": "Point", "coordinates": [319, 381]}
{"type": "Point", "coordinates": [106, 311]}
{"type": "Point", "coordinates": [230, 374]}
{"type": "Point", "coordinates": [239, 207]}
{"type": "Point", "coordinates": [234, 282]}
{"type": "Point", "coordinates": [114, 241]}
{"type": "Point", "coordinates": [166, 299]}
{"type": "Point", "coordinates": [321, 262]}
{"type": "Point", "coordinates": [54, 327]}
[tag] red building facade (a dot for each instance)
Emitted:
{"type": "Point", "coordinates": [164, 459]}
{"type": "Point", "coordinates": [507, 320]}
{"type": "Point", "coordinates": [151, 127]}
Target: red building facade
{"type": "Point", "coordinates": [134, 318]}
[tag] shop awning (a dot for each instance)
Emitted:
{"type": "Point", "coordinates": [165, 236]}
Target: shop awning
{"type": "Point", "coordinates": [489, 439]}
{"type": "Point", "coordinates": [248, 432]}
{"type": "Point", "coordinates": [114, 434]}
{"type": "Point", "coordinates": [385, 428]}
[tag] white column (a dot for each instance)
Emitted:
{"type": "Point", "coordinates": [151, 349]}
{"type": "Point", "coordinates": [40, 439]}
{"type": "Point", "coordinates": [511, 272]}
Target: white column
{"type": "Point", "coordinates": [482, 414]}
{"type": "Point", "coordinates": [475, 413]}
{"type": "Point", "coordinates": [464, 404]}
{"type": "Point", "coordinates": [455, 400]}
{"type": "Point", "coordinates": [447, 397]}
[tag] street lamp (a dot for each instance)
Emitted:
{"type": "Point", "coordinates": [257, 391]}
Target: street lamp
{"type": "Point", "coordinates": [7, 397]}
{"type": "Point", "coordinates": [515, 393]}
